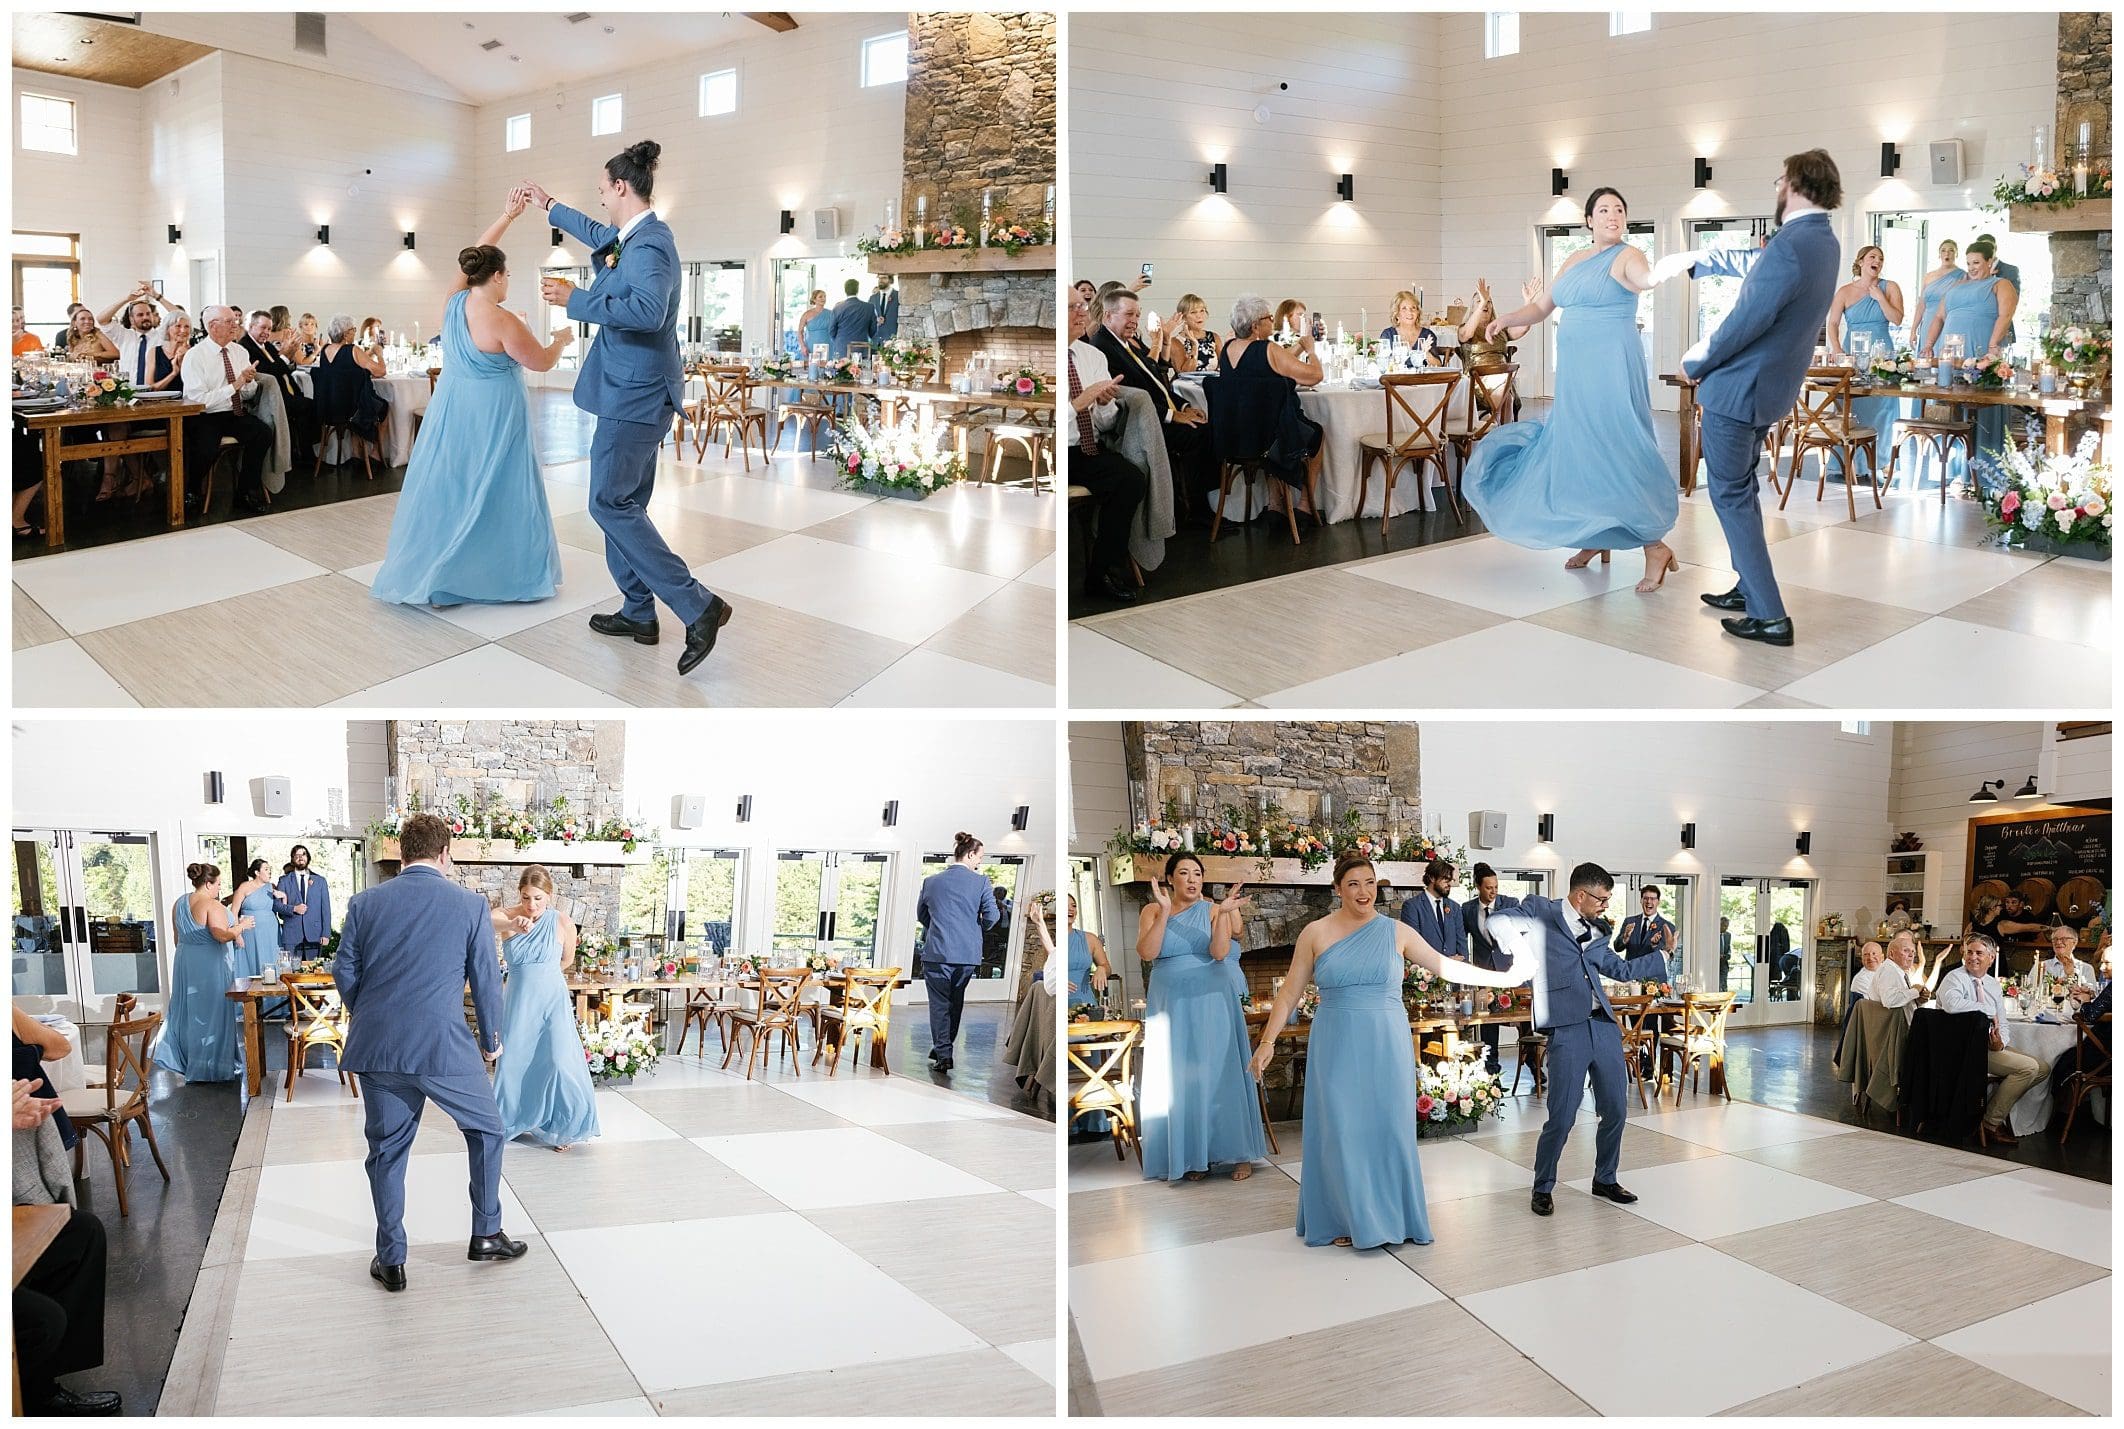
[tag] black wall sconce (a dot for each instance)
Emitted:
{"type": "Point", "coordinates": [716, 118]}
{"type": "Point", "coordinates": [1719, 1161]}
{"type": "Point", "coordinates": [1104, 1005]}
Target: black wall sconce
{"type": "Point", "coordinates": [324, 234]}
{"type": "Point", "coordinates": [744, 809]}
{"type": "Point", "coordinates": [788, 221]}
{"type": "Point", "coordinates": [1346, 188]}
{"type": "Point", "coordinates": [1545, 828]}
{"type": "Point", "coordinates": [1890, 161]}
{"type": "Point", "coordinates": [2028, 790]}
{"type": "Point", "coordinates": [556, 236]}
{"type": "Point", "coordinates": [1804, 844]}
{"type": "Point", "coordinates": [1688, 836]}
{"type": "Point", "coordinates": [1021, 817]}
{"type": "Point", "coordinates": [1983, 795]}
{"type": "Point", "coordinates": [409, 239]}
{"type": "Point", "coordinates": [214, 787]}
{"type": "Point", "coordinates": [1218, 178]}
{"type": "Point", "coordinates": [1703, 172]}
{"type": "Point", "coordinates": [892, 812]}
{"type": "Point", "coordinates": [1559, 182]}
{"type": "Point", "coordinates": [176, 234]}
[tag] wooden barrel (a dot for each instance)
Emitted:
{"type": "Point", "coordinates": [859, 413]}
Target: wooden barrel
{"type": "Point", "coordinates": [2038, 894]}
{"type": "Point", "coordinates": [1988, 888]}
{"type": "Point", "coordinates": [2078, 897]}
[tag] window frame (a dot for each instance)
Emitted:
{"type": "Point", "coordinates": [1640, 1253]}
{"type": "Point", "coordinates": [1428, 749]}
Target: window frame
{"type": "Point", "coordinates": [23, 126]}
{"type": "Point", "coordinates": [509, 144]}
{"type": "Point", "coordinates": [863, 59]}
{"type": "Point", "coordinates": [1492, 22]}
{"type": "Point", "coordinates": [736, 95]}
{"type": "Point", "coordinates": [1619, 23]}
{"type": "Point", "coordinates": [619, 114]}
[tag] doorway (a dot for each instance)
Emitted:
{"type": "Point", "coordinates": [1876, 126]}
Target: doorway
{"type": "Point", "coordinates": [795, 279]}
{"type": "Point", "coordinates": [712, 308]}
{"type": "Point", "coordinates": [84, 920]}
{"type": "Point", "coordinates": [831, 902]}
{"type": "Point", "coordinates": [1710, 299]}
{"type": "Point", "coordinates": [1910, 240]}
{"type": "Point", "coordinates": [1001, 946]}
{"type": "Point", "coordinates": [1677, 904]}
{"type": "Point", "coordinates": [1559, 241]}
{"type": "Point", "coordinates": [1765, 927]}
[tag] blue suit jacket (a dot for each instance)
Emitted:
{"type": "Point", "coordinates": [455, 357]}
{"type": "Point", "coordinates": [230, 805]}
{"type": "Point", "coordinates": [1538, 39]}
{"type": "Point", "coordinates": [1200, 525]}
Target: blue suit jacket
{"type": "Point", "coordinates": [312, 927]}
{"type": "Point", "coordinates": [1634, 937]}
{"type": "Point", "coordinates": [1753, 366]}
{"type": "Point", "coordinates": [954, 907]}
{"type": "Point", "coordinates": [853, 321]}
{"type": "Point", "coordinates": [408, 948]}
{"type": "Point", "coordinates": [885, 314]}
{"type": "Point", "coordinates": [632, 371]}
{"type": "Point", "coordinates": [1419, 913]}
{"type": "Point", "coordinates": [1484, 952]}
{"type": "Point", "coordinates": [1571, 990]}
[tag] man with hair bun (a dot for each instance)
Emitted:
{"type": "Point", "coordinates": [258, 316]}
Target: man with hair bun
{"type": "Point", "coordinates": [955, 906]}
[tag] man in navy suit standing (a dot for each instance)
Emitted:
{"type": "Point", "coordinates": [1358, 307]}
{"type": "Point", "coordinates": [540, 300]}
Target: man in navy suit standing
{"type": "Point", "coordinates": [854, 320]}
{"type": "Point", "coordinates": [1482, 949]}
{"type": "Point", "coordinates": [885, 310]}
{"type": "Point", "coordinates": [1570, 943]}
{"type": "Point", "coordinates": [407, 951]}
{"type": "Point", "coordinates": [1433, 913]}
{"type": "Point", "coordinates": [1749, 373]}
{"type": "Point", "coordinates": [303, 901]}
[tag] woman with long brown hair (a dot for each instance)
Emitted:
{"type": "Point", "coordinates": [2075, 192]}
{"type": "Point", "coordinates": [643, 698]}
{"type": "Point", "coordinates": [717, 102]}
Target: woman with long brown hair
{"type": "Point", "coordinates": [542, 1082]}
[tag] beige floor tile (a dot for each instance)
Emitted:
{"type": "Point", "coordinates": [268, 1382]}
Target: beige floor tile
{"type": "Point", "coordinates": [1639, 1148]}
{"type": "Point", "coordinates": [304, 1135]}
{"type": "Point", "coordinates": [1918, 1381]}
{"type": "Point", "coordinates": [1158, 1215]}
{"type": "Point", "coordinates": [371, 642]}
{"type": "Point", "coordinates": [1002, 1153]}
{"type": "Point", "coordinates": [986, 1261]}
{"type": "Point", "coordinates": [1772, 700]}
{"type": "Point", "coordinates": [765, 656]}
{"type": "Point", "coordinates": [1485, 1242]}
{"type": "Point", "coordinates": [1894, 1265]}
{"type": "Point", "coordinates": [733, 1111]}
{"type": "Point", "coordinates": [1918, 516]}
{"type": "Point", "coordinates": [338, 537]}
{"type": "Point", "coordinates": [2061, 599]}
{"type": "Point", "coordinates": [1083, 1394]}
{"type": "Point", "coordinates": [32, 625]}
{"type": "Point", "coordinates": [985, 1383]}
{"type": "Point", "coordinates": [1699, 540]}
{"type": "Point", "coordinates": [1012, 630]}
{"type": "Point", "coordinates": [1267, 636]}
{"type": "Point", "coordinates": [922, 533]}
{"type": "Point", "coordinates": [1434, 1361]}
{"type": "Point", "coordinates": [1879, 1166]}
{"type": "Point", "coordinates": [697, 538]}
{"type": "Point", "coordinates": [627, 1183]}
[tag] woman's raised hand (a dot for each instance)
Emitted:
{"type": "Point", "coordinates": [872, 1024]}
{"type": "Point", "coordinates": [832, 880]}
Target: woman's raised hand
{"type": "Point", "coordinates": [1232, 902]}
{"type": "Point", "coordinates": [1161, 895]}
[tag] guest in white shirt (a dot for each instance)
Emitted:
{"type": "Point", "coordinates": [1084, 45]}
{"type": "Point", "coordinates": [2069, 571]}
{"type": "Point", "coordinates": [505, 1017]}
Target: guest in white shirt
{"type": "Point", "coordinates": [1972, 988]}
{"type": "Point", "coordinates": [219, 374]}
{"type": "Point", "coordinates": [1871, 956]}
{"type": "Point", "coordinates": [137, 333]}
{"type": "Point", "coordinates": [1898, 981]}
{"type": "Point", "coordinates": [2067, 966]}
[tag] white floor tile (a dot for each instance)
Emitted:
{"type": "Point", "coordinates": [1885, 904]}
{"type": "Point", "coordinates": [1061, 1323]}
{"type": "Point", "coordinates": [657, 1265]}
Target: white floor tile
{"type": "Point", "coordinates": [1094, 1167]}
{"type": "Point", "coordinates": [812, 1170]}
{"type": "Point", "coordinates": [1490, 574]}
{"type": "Point", "coordinates": [783, 1297]}
{"type": "Point", "coordinates": [1527, 666]}
{"type": "Point", "coordinates": [766, 503]}
{"type": "Point", "coordinates": [1048, 1196]}
{"type": "Point", "coordinates": [877, 1103]}
{"type": "Point", "coordinates": [1105, 674]}
{"type": "Point", "coordinates": [323, 1207]}
{"type": "Point", "coordinates": [2071, 1212]}
{"type": "Point", "coordinates": [62, 673]}
{"type": "Point", "coordinates": [480, 679]}
{"type": "Point", "coordinates": [1036, 1355]}
{"type": "Point", "coordinates": [684, 1072]}
{"type": "Point", "coordinates": [1455, 1169]}
{"type": "Point", "coordinates": [1523, 1112]}
{"type": "Point", "coordinates": [1710, 1196]}
{"type": "Point", "coordinates": [2061, 1345]}
{"type": "Point", "coordinates": [1041, 572]}
{"type": "Point", "coordinates": [851, 585]}
{"type": "Point", "coordinates": [1681, 1332]}
{"type": "Point", "coordinates": [924, 678]}
{"type": "Point", "coordinates": [1935, 657]}
{"type": "Point", "coordinates": [571, 473]}
{"type": "Point", "coordinates": [1221, 1295]}
{"type": "Point", "coordinates": [1737, 1126]}
{"type": "Point", "coordinates": [584, 582]}
{"type": "Point", "coordinates": [1888, 570]}
{"type": "Point", "coordinates": [636, 1408]}
{"type": "Point", "coordinates": [621, 1120]}
{"type": "Point", "coordinates": [133, 580]}
{"type": "Point", "coordinates": [1012, 505]}
{"type": "Point", "coordinates": [566, 498]}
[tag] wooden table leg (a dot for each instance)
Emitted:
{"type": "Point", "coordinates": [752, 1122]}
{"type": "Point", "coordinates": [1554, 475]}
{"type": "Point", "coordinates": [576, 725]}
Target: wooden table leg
{"type": "Point", "coordinates": [54, 489]}
{"type": "Point", "coordinates": [2054, 433]}
{"type": "Point", "coordinates": [176, 471]}
{"type": "Point", "coordinates": [254, 1046]}
{"type": "Point", "coordinates": [1688, 439]}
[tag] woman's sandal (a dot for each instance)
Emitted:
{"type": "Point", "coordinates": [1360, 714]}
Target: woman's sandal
{"type": "Point", "coordinates": [1585, 558]}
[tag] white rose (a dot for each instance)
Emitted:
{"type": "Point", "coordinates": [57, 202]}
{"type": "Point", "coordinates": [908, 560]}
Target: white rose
{"type": "Point", "coordinates": [2065, 520]}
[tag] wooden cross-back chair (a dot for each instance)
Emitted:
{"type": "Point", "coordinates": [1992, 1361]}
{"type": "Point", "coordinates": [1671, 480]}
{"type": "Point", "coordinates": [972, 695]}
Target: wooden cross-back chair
{"type": "Point", "coordinates": [1103, 1054]}
{"type": "Point", "coordinates": [1822, 423]}
{"type": "Point", "coordinates": [1491, 392]}
{"type": "Point", "coordinates": [2094, 1039]}
{"type": "Point", "coordinates": [1700, 1038]}
{"type": "Point", "coordinates": [1636, 1014]}
{"type": "Point", "coordinates": [110, 1112]}
{"type": "Point", "coordinates": [728, 407]}
{"type": "Point", "coordinates": [1415, 436]}
{"type": "Point", "coordinates": [865, 1007]}
{"type": "Point", "coordinates": [781, 1006]}
{"type": "Point", "coordinates": [316, 1018]}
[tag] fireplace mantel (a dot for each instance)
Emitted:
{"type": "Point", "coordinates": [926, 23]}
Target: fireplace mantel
{"type": "Point", "coordinates": [1246, 868]}
{"type": "Point", "coordinates": [966, 260]}
{"type": "Point", "coordinates": [583, 851]}
{"type": "Point", "coordinates": [2090, 215]}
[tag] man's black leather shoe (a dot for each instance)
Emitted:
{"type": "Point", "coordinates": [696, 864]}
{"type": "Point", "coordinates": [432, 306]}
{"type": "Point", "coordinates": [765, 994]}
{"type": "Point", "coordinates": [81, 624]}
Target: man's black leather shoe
{"type": "Point", "coordinates": [494, 1247]}
{"type": "Point", "coordinates": [390, 1277]}
{"type": "Point", "coordinates": [1725, 600]}
{"type": "Point", "coordinates": [641, 632]}
{"type": "Point", "coordinates": [700, 636]}
{"type": "Point", "coordinates": [97, 1402]}
{"type": "Point", "coordinates": [1613, 1191]}
{"type": "Point", "coordinates": [1114, 588]}
{"type": "Point", "coordinates": [1544, 1203]}
{"type": "Point", "coordinates": [1766, 632]}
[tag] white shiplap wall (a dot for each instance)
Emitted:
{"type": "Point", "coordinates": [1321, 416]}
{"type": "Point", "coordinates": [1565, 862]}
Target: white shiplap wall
{"type": "Point", "coordinates": [806, 135]}
{"type": "Point", "coordinates": [1155, 100]}
{"type": "Point", "coordinates": [94, 193]}
{"type": "Point", "coordinates": [181, 132]}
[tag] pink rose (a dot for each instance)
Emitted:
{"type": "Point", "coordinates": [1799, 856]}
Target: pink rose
{"type": "Point", "coordinates": [2057, 501]}
{"type": "Point", "coordinates": [2010, 503]}
{"type": "Point", "coordinates": [2095, 506]}
{"type": "Point", "coordinates": [1025, 386]}
{"type": "Point", "coordinates": [1423, 1105]}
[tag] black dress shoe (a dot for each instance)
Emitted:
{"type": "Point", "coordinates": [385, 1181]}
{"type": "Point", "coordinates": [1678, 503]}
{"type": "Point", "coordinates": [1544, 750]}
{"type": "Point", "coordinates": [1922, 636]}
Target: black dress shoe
{"type": "Point", "coordinates": [1114, 588]}
{"type": "Point", "coordinates": [1767, 632]}
{"type": "Point", "coordinates": [700, 636]}
{"type": "Point", "coordinates": [65, 1401]}
{"type": "Point", "coordinates": [390, 1277]}
{"type": "Point", "coordinates": [1544, 1203]}
{"type": "Point", "coordinates": [641, 632]}
{"type": "Point", "coordinates": [1726, 600]}
{"type": "Point", "coordinates": [252, 506]}
{"type": "Point", "coordinates": [1613, 1191]}
{"type": "Point", "coordinates": [494, 1247]}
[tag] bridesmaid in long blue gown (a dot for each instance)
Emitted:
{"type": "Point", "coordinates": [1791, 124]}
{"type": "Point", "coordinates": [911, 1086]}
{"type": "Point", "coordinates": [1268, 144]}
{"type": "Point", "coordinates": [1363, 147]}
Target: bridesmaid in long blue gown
{"type": "Point", "coordinates": [1979, 310]}
{"type": "Point", "coordinates": [472, 522]}
{"type": "Point", "coordinates": [1086, 954]}
{"type": "Point", "coordinates": [199, 1030]}
{"type": "Point", "coordinates": [253, 899]}
{"type": "Point", "coordinates": [1933, 287]}
{"type": "Point", "coordinates": [1362, 1184]}
{"type": "Point", "coordinates": [1867, 308]}
{"type": "Point", "coordinates": [1590, 475]}
{"type": "Point", "coordinates": [1199, 1109]}
{"type": "Point", "coordinates": [542, 1082]}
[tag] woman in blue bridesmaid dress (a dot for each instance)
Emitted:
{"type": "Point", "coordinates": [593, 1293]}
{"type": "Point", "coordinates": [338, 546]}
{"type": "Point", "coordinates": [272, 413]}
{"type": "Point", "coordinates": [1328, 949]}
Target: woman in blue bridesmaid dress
{"type": "Point", "coordinates": [542, 1081]}
{"type": "Point", "coordinates": [1362, 1184]}
{"type": "Point", "coordinates": [1589, 475]}
{"type": "Point", "coordinates": [199, 1030]}
{"type": "Point", "coordinates": [1088, 965]}
{"type": "Point", "coordinates": [253, 900]}
{"type": "Point", "coordinates": [1979, 310]}
{"type": "Point", "coordinates": [1199, 1109]}
{"type": "Point", "coordinates": [1931, 288]}
{"type": "Point", "coordinates": [1867, 308]}
{"type": "Point", "coordinates": [472, 522]}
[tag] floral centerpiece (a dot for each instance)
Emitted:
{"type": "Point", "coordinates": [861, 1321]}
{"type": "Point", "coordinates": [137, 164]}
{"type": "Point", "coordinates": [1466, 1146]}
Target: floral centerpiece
{"type": "Point", "coordinates": [905, 357]}
{"type": "Point", "coordinates": [1510, 999]}
{"type": "Point", "coordinates": [1455, 1093]}
{"type": "Point", "coordinates": [1026, 382]}
{"type": "Point", "coordinates": [1892, 366]}
{"type": "Point", "coordinates": [2060, 500]}
{"type": "Point", "coordinates": [779, 367]}
{"type": "Point", "coordinates": [2010, 987]}
{"type": "Point", "coordinates": [951, 235]}
{"type": "Point", "coordinates": [620, 1048]}
{"type": "Point", "coordinates": [1991, 371]}
{"type": "Point", "coordinates": [594, 951]}
{"type": "Point", "coordinates": [1653, 988]}
{"type": "Point", "coordinates": [109, 389]}
{"type": "Point", "coordinates": [900, 460]}
{"type": "Point", "coordinates": [1014, 238]}
{"type": "Point", "coordinates": [2077, 348]}
{"type": "Point", "coordinates": [843, 370]}
{"type": "Point", "coordinates": [1308, 1002]}
{"type": "Point", "coordinates": [818, 962]}
{"type": "Point", "coordinates": [1421, 987]}
{"type": "Point", "coordinates": [2049, 188]}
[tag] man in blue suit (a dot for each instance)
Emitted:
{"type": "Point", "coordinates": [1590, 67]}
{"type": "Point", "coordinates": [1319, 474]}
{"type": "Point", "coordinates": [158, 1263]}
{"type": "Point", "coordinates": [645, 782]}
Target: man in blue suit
{"type": "Point", "coordinates": [633, 382]}
{"type": "Point", "coordinates": [955, 908]}
{"type": "Point", "coordinates": [885, 310]}
{"type": "Point", "coordinates": [1482, 949]}
{"type": "Point", "coordinates": [1433, 913]}
{"type": "Point", "coordinates": [407, 951]}
{"type": "Point", "coordinates": [1570, 942]}
{"type": "Point", "coordinates": [304, 906]}
{"type": "Point", "coordinates": [853, 319]}
{"type": "Point", "coordinates": [1749, 374]}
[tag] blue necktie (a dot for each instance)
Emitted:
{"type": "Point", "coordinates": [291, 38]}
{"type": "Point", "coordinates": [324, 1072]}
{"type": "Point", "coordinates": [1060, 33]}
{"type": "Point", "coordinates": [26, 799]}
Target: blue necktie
{"type": "Point", "coordinates": [140, 365]}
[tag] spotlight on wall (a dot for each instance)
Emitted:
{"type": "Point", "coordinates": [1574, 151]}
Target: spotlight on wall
{"type": "Point", "coordinates": [1559, 181]}
{"type": "Point", "coordinates": [1703, 172]}
{"type": "Point", "coordinates": [176, 234]}
{"type": "Point", "coordinates": [409, 238]}
{"type": "Point", "coordinates": [1545, 828]}
{"type": "Point", "coordinates": [1983, 795]}
{"type": "Point", "coordinates": [744, 809]}
{"type": "Point", "coordinates": [215, 790]}
{"type": "Point", "coordinates": [788, 221]}
{"type": "Point", "coordinates": [892, 812]}
{"type": "Point", "coordinates": [1218, 178]}
{"type": "Point", "coordinates": [1688, 836]}
{"type": "Point", "coordinates": [557, 236]}
{"type": "Point", "coordinates": [2028, 790]}
{"type": "Point", "coordinates": [1020, 817]}
{"type": "Point", "coordinates": [324, 234]}
{"type": "Point", "coordinates": [1890, 160]}
{"type": "Point", "coordinates": [1346, 188]}
{"type": "Point", "coordinates": [1804, 844]}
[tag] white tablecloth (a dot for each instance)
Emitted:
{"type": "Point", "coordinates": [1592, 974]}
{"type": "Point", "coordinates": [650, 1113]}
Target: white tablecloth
{"type": "Point", "coordinates": [407, 395]}
{"type": "Point", "coordinates": [1346, 415]}
{"type": "Point", "coordinates": [69, 1073]}
{"type": "Point", "coordinates": [2049, 1042]}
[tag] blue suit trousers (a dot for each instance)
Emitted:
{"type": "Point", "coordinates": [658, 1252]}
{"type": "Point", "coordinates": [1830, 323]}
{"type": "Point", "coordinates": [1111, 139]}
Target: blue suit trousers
{"type": "Point", "coordinates": [622, 479]}
{"type": "Point", "coordinates": [1731, 450]}
{"type": "Point", "coordinates": [946, 985]}
{"type": "Point", "coordinates": [1591, 1047]}
{"type": "Point", "coordinates": [392, 1103]}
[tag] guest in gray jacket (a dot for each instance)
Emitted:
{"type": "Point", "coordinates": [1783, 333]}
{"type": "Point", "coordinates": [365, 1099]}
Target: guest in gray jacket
{"type": "Point", "coordinates": [954, 908]}
{"type": "Point", "coordinates": [59, 1298]}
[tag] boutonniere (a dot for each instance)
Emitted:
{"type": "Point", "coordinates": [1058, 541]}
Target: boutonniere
{"type": "Point", "coordinates": [612, 258]}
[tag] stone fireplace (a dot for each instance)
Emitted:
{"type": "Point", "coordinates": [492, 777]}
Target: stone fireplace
{"type": "Point", "coordinates": [2082, 287]}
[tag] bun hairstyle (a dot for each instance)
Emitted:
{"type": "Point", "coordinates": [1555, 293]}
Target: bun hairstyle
{"type": "Point", "coordinates": [963, 844]}
{"type": "Point", "coordinates": [480, 262]}
{"type": "Point", "coordinates": [535, 876]}
{"type": "Point", "coordinates": [1600, 193]}
{"type": "Point", "coordinates": [1172, 864]}
{"type": "Point", "coordinates": [1859, 261]}
{"type": "Point", "coordinates": [635, 166]}
{"type": "Point", "coordinates": [255, 865]}
{"type": "Point", "coordinates": [202, 874]}
{"type": "Point", "coordinates": [1350, 862]}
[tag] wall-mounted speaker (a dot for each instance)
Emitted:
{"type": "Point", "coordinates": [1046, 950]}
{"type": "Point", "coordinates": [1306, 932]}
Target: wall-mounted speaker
{"type": "Point", "coordinates": [1486, 828]}
{"type": "Point", "coordinates": [1945, 157]}
{"type": "Point", "coordinates": [825, 223]}
{"type": "Point", "coordinates": [689, 811]}
{"type": "Point", "coordinates": [273, 796]}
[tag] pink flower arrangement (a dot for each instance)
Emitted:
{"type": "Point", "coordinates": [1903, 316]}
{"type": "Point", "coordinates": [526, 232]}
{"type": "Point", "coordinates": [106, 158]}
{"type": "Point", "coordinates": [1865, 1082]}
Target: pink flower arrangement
{"type": "Point", "coordinates": [2009, 503]}
{"type": "Point", "coordinates": [1423, 1106]}
{"type": "Point", "coordinates": [1025, 386]}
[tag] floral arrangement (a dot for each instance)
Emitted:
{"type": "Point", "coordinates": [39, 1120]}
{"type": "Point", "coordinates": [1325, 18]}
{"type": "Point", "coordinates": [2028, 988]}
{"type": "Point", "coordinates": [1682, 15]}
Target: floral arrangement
{"type": "Point", "coordinates": [951, 235]}
{"type": "Point", "coordinates": [1084, 1013]}
{"type": "Point", "coordinates": [1507, 999]}
{"type": "Point", "coordinates": [1419, 985]}
{"type": "Point", "coordinates": [1013, 238]}
{"type": "Point", "coordinates": [594, 950]}
{"type": "Point", "coordinates": [2077, 348]}
{"type": "Point", "coordinates": [1308, 1002]}
{"type": "Point", "coordinates": [1831, 926]}
{"type": "Point", "coordinates": [779, 368]}
{"type": "Point", "coordinates": [1892, 367]}
{"type": "Point", "coordinates": [1026, 382]}
{"type": "Point", "coordinates": [906, 356]}
{"type": "Point", "coordinates": [901, 457]}
{"type": "Point", "coordinates": [2010, 987]}
{"type": "Point", "coordinates": [109, 389]}
{"type": "Point", "coordinates": [619, 1049]}
{"type": "Point", "coordinates": [621, 832]}
{"type": "Point", "coordinates": [2063, 498]}
{"type": "Point", "coordinates": [818, 962]}
{"type": "Point", "coordinates": [1653, 989]}
{"type": "Point", "coordinates": [887, 240]}
{"type": "Point", "coordinates": [1284, 338]}
{"type": "Point", "coordinates": [1991, 371]}
{"type": "Point", "coordinates": [841, 369]}
{"type": "Point", "coordinates": [2052, 188]}
{"type": "Point", "coordinates": [1455, 1092]}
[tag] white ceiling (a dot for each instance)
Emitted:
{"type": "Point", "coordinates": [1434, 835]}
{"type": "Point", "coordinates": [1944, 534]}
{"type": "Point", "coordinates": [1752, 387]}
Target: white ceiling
{"type": "Point", "coordinates": [547, 50]}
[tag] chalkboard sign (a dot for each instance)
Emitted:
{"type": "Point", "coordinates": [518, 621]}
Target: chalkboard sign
{"type": "Point", "coordinates": [2067, 844]}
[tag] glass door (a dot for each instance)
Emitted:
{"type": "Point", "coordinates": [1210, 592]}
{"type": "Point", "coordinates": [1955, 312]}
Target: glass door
{"type": "Point", "coordinates": [1764, 923]}
{"type": "Point", "coordinates": [1001, 946]}
{"type": "Point", "coordinates": [830, 902]}
{"type": "Point", "coordinates": [795, 279]}
{"type": "Point", "coordinates": [85, 927]}
{"type": "Point", "coordinates": [1676, 904]}
{"type": "Point", "coordinates": [1710, 299]}
{"type": "Point", "coordinates": [712, 308]}
{"type": "Point", "coordinates": [708, 882]}
{"type": "Point", "coordinates": [1558, 242]}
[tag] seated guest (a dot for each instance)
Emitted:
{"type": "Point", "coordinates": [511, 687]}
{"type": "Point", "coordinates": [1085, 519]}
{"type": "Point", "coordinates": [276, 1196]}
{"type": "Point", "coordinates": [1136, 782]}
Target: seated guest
{"type": "Point", "coordinates": [1972, 988]}
{"type": "Point", "coordinates": [2069, 1063]}
{"type": "Point", "coordinates": [1189, 344]}
{"type": "Point", "coordinates": [219, 374]}
{"type": "Point", "coordinates": [85, 342]}
{"type": "Point", "coordinates": [1898, 981]}
{"type": "Point", "coordinates": [283, 330]}
{"type": "Point", "coordinates": [36, 1044]}
{"type": "Point", "coordinates": [1116, 484]}
{"type": "Point", "coordinates": [1898, 914]}
{"type": "Point", "coordinates": [139, 328]}
{"type": "Point", "coordinates": [59, 1299]}
{"type": "Point", "coordinates": [1293, 320]}
{"type": "Point", "coordinates": [1088, 290]}
{"type": "Point", "coordinates": [1407, 332]}
{"type": "Point", "coordinates": [1871, 956]}
{"type": "Point", "coordinates": [273, 362]}
{"type": "Point", "coordinates": [308, 341]}
{"type": "Point", "coordinates": [1255, 405]}
{"type": "Point", "coordinates": [1479, 350]}
{"type": "Point", "coordinates": [372, 337]}
{"type": "Point", "coordinates": [1187, 442]}
{"type": "Point", "coordinates": [854, 320]}
{"type": "Point", "coordinates": [2065, 965]}
{"type": "Point", "coordinates": [25, 340]}
{"type": "Point", "coordinates": [345, 382]}
{"type": "Point", "coordinates": [166, 363]}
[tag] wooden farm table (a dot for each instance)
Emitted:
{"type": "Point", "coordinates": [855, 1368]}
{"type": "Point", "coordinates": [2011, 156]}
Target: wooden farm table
{"type": "Point", "coordinates": [52, 427]}
{"type": "Point", "coordinates": [251, 999]}
{"type": "Point", "coordinates": [602, 992]}
{"type": "Point", "coordinates": [36, 1227]}
{"type": "Point", "coordinates": [2055, 407]}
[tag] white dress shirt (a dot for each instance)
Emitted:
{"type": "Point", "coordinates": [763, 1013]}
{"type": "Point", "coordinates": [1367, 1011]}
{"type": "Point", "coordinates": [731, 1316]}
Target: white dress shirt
{"type": "Point", "coordinates": [135, 361]}
{"type": "Point", "coordinates": [206, 380]}
{"type": "Point", "coordinates": [1891, 988]}
{"type": "Point", "coordinates": [1092, 369]}
{"type": "Point", "coordinates": [1862, 980]}
{"type": "Point", "coordinates": [1959, 992]}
